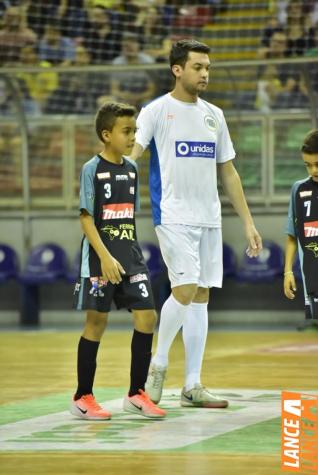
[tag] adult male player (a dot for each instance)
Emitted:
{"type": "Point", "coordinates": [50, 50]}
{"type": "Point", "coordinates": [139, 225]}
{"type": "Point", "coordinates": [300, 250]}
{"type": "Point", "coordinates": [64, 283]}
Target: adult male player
{"type": "Point", "coordinates": [190, 144]}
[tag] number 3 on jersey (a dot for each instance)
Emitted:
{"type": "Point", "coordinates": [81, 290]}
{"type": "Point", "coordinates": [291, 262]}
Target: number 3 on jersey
{"type": "Point", "coordinates": [108, 190]}
{"type": "Point", "coordinates": [307, 205]}
{"type": "Point", "coordinates": [144, 291]}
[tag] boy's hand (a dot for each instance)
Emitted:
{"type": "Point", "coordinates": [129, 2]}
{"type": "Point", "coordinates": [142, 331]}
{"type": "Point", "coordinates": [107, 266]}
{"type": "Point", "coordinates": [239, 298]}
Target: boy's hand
{"type": "Point", "coordinates": [290, 286]}
{"type": "Point", "coordinates": [112, 269]}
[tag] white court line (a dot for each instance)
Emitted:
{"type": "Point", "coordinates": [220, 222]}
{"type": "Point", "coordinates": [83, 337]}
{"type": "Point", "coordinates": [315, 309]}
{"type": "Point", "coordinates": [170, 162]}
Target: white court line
{"type": "Point", "coordinates": [186, 426]}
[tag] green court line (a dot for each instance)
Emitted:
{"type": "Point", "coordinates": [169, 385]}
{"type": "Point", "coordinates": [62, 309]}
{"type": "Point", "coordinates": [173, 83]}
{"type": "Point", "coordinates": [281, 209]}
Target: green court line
{"type": "Point", "coordinates": [260, 438]}
{"type": "Point", "coordinates": [27, 409]}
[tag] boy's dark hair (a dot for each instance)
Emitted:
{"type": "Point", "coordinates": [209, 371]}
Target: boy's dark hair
{"type": "Point", "coordinates": [310, 144]}
{"type": "Point", "coordinates": [181, 49]}
{"type": "Point", "coordinates": [108, 113]}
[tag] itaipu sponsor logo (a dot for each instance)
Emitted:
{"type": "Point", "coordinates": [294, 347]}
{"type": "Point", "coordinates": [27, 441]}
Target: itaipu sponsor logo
{"type": "Point", "coordinates": [195, 149]}
{"type": "Point", "coordinates": [118, 211]}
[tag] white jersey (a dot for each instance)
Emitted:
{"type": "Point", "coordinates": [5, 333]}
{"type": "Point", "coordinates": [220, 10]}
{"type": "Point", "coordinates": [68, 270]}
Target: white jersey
{"type": "Point", "coordinates": [186, 141]}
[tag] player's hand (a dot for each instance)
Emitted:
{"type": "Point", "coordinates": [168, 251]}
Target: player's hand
{"type": "Point", "coordinates": [254, 241]}
{"type": "Point", "coordinates": [290, 286]}
{"type": "Point", "coordinates": [112, 270]}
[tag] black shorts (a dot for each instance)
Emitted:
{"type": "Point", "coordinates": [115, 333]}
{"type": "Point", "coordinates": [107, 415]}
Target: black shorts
{"type": "Point", "coordinates": [133, 292]}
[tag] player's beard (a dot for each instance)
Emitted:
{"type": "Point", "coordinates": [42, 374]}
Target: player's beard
{"type": "Point", "coordinates": [193, 90]}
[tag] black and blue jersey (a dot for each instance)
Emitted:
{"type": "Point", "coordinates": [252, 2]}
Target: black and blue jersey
{"type": "Point", "coordinates": [303, 225]}
{"type": "Point", "coordinates": [109, 193]}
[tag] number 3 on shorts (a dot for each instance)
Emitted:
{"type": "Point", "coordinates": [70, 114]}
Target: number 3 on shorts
{"type": "Point", "coordinates": [144, 291]}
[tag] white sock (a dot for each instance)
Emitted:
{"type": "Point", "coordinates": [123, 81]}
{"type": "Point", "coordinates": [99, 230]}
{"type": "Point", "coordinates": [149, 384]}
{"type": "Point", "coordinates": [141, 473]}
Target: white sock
{"type": "Point", "coordinates": [194, 332]}
{"type": "Point", "coordinates": [172, 317]}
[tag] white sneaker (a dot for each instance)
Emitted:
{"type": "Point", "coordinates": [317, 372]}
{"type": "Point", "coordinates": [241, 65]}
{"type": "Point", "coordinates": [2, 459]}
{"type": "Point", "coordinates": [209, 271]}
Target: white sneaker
{"type": "Point", "coordinates": [154, 383]}
{"type": "Point", "coordinates": [199, 396]}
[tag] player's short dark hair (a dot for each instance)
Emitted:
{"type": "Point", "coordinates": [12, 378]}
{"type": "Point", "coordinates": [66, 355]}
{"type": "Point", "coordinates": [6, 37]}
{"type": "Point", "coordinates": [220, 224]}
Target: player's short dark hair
{"type": "Point", "coordinates": [180, 51]}
{"type": "Point", "coordinates": [108, 113]}
{"type": "Point", "coordinates": [310, 144]}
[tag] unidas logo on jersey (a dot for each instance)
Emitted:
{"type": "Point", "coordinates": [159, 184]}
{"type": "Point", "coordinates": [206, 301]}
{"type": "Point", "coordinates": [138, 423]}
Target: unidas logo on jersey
{"type": "Point", "coordinates": [195, 149]}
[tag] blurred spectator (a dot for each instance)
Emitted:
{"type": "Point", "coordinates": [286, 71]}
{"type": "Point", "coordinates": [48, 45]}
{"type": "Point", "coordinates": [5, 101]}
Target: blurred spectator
{"type": "Point", "coordinates": [78, 92]}
{"type": "Point", "coordinates": [280, 10]}
{"type": "Point", "coordinates": [39, 85]}
{"type": "Point", "coordinates": [156, 35]}
{"type": "Point", "coordinates": [54, 47]}
{"type": "Point", "coordinates": [312, 52]}
{"type": "Point", "coordinates": [277, 47]}
{"type": "Point", "coordinates": [14, 36]}
{"type": "Point", "coordinates": [269, 86]}
{"type": "Point", "coordinates": [312, 71]}
{"type": "Point", "coordinates": [299, 33]}
{"type": "Point", "coordinates": [133, 86]}
{"type": "Point", "coordinates": [103, 36]}
{"type": "Point", "coordinates": [4, 4]}
{"type": "Point", "coordinates": [73, 18]}
{"type": "Point", "coordinates": [295, 19]}
{"type": "Point", "coordinates": [38, 13]}
{"type": "Point", "coordinates": [278, 85]}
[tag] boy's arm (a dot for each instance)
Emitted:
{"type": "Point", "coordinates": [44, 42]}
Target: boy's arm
{"type": "Point", "coordinates": [289, 279]}
{"type": "Point", "coordinates": [111, 268]}
{"type": "Point", "coordinates": [232, 185]}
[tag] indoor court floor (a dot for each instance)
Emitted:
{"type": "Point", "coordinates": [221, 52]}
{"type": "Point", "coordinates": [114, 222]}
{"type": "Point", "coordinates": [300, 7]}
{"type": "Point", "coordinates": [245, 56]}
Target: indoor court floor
{"type": "Point", "coordinates": [39, 436]}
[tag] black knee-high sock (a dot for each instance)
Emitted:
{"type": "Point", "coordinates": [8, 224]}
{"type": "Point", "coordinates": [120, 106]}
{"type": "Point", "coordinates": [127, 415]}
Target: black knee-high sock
{"type": "Point", "coordinates": [86, 366]}
{"type": "Point", "coordinates": [140, 360]}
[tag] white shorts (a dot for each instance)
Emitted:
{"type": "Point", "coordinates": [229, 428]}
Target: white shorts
{"type": "Point", "coordinates": [193, 254]}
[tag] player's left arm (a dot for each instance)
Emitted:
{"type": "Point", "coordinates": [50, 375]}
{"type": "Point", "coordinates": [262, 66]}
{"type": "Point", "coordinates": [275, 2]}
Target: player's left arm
{"type": "Point", "coordinates": [232, 186]}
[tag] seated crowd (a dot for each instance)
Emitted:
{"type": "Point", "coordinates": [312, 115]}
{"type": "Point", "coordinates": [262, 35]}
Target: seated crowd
{"type": "Point", "coordinates": [292, 32]}
{"type": "Point", "coordinates": [136, 32]}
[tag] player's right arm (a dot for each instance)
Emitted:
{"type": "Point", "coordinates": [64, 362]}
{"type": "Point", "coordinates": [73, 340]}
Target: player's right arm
{"type": "Point", "coordinates": [289, 278]}
{"type": "Point", "coordinates": [111, 268]}
{"type": "Point", "coordinates": [137, 151]}
{"type": "Point", "coordinates": [144, 134]}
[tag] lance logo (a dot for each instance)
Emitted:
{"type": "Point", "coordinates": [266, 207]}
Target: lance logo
{"type": "Point", "coordinates": [299, 433]}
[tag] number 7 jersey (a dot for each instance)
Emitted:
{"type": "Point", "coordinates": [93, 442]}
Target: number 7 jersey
{"type": "Point", "coordinates": [303, 225]}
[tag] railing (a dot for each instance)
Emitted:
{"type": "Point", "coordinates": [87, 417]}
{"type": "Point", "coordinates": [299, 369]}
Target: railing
{"type": "Point", "coordinates": [41, 154]}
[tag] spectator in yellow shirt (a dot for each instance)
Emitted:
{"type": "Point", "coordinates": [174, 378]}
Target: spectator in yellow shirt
{"type": "Point", "coordinates": [39, 85]}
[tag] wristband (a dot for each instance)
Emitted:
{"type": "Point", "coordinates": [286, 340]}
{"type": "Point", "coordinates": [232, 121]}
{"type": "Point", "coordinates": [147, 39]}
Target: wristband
{"type": "Point", "coordinates": [288, 272]}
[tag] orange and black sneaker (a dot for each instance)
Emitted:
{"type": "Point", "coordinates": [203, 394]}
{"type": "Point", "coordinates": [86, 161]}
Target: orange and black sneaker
{"type": "Point", "coordinates": [141, 404]}
{"type": "Point", "coordinates": [87, 408]}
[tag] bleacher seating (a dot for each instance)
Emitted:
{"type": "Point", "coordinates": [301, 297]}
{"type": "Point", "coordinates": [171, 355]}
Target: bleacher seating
{"type": "Point", "coordinates": [9, 266]}
{"type": "Point", "coordinates": [46, 264]}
